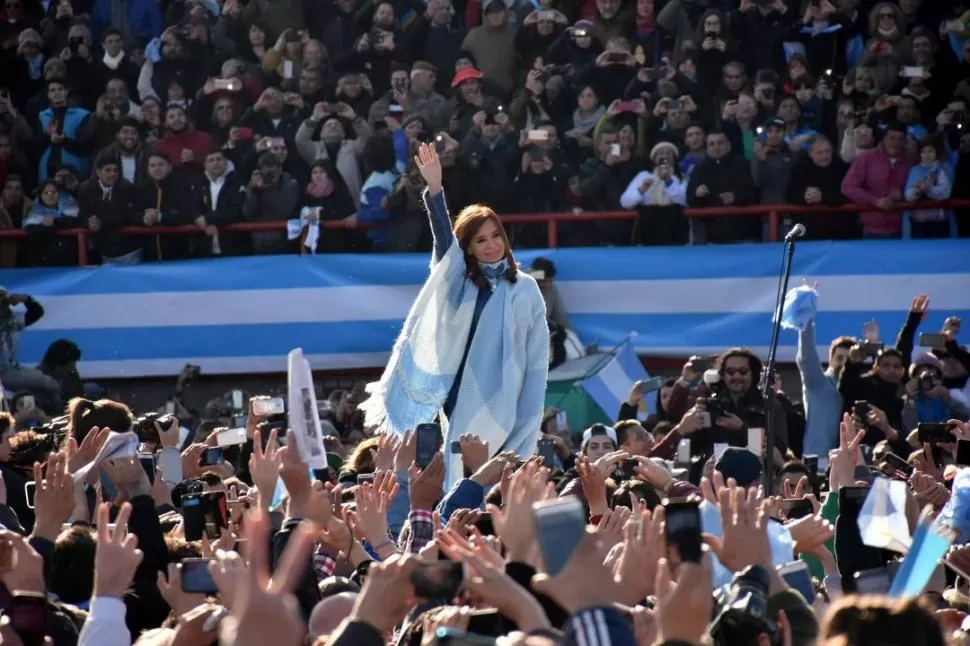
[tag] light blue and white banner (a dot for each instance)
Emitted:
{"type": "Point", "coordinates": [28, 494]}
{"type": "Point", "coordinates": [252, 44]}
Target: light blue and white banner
{"type": "Point", "coordinates": [611, 386]}
{"type": "Point", "coordinates": [245, 314]}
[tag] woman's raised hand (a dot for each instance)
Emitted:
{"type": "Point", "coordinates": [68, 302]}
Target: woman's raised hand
{"type": "Point", "coordinates": [430, 167]}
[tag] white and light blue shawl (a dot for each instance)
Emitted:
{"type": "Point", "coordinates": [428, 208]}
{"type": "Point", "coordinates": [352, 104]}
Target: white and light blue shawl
{"type": "Point", "coordinates": [503, 382]}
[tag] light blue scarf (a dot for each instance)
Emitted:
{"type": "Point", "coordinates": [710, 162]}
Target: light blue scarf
{"type": "Point", "coordinates": [494, 271]}
{"type": "Point", "coordinates": [504, 378]}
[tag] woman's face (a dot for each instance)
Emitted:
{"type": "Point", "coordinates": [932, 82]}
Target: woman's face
{"type": "Point", "coordinates": [747, 107]}
{"type": "Point", "coordinates": [796, 70]}
{"type": "Point", "coordinates": [257, 37]}
{"type": "Point", "coordinates": [863, 137]}
{"type": "Point", "coordinates": [223, 112]}
{"type": "Point", "coordinates": [587, 100]}
{"type": "Point", "coordinates": [927, 155]}
{"type": "Point", "coordinates": [645, 8]}
{"type": "Point", "coordinates": [687, 68]}
{"type": "Point", "coordinates": [788, 110]}
{"type": "Point", "coordinates": [863, 83]}
{"type": "Point", "coordinates": [712, 24]}
{"type": "Point", "coordinates": [318, 175]}
{"type": "Point", "coordinates": [488, 244]}
{"type": "Point", "coordinates": [664, 156]}
{"type": "Point", "coordinates": [887, 18]}
{"type": "Point", "coordinates": [665, 395]}
{"type": "Point", "coordinates": [48, 195]}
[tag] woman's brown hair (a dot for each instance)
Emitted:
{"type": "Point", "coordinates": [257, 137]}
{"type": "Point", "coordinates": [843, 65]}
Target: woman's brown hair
{"type": "Point", "coordinates": [880, 620]}
{"type": "Point", "coordinates": [467, 224]}
{"type": "Point", "coordinates": [104, 413]}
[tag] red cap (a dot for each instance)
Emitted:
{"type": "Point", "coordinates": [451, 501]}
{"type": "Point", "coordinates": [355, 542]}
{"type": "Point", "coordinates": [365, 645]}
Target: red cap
{"type": "Point", "coordinates": [466, 74]}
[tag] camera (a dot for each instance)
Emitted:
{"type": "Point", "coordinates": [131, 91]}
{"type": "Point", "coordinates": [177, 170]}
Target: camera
{"type": "Point", "coordinates": [145, 426]}
{"type": "Point", "coordinates": [927, 382]}
{"type": "Point", "coordinates": [715, 408]}
{"type": "Point", "coordinates": [74, 43]}
{"type": "Point", "coordinates": [743, 611]}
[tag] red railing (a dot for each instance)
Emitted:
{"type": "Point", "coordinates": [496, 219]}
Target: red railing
{"type": "Point", "coordinates": [774, 212]}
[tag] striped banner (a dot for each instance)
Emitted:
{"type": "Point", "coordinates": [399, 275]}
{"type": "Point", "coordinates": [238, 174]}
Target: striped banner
{"type": "Point", "coordinates": [241, 315]}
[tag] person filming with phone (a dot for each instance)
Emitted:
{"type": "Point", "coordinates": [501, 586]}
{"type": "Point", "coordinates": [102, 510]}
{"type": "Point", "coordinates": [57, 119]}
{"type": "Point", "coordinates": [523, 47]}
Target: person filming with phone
{"type": "Point", "coordinates": [475, 345]}
{"type": "Point", "coordinates": [14, 376]}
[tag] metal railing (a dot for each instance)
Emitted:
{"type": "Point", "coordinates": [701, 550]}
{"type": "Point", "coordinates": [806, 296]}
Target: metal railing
{"type": "Point", "coordinates": [774, 213]}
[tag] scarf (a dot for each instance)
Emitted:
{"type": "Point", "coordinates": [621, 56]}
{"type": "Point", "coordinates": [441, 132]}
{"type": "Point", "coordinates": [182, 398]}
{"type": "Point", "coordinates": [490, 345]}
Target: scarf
{"type": "Point", "coordinates": [586, 124]}
{"type": "Point", "coordinates": [503, 378]}
{"type": "Point", "coordinates": [112, 62]}
{"type": "Point", "coordinates": [320, 189]}
{"type": "Point", "coordinates": [494, 271]}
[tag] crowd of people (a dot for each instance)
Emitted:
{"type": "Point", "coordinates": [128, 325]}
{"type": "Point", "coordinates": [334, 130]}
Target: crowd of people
{"type": "Point", "coordinates": [103, 543]}
{"type": "Point", "coordinates": [204, 113]}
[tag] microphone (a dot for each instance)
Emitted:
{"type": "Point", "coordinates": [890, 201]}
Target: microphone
{"type": "Point", "coordinates": [797, 231]}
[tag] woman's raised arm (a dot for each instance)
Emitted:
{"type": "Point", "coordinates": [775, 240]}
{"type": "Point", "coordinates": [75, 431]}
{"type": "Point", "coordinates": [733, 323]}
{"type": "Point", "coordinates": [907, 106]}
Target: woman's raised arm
{"type": "Point", "coordinates": [434, 199]}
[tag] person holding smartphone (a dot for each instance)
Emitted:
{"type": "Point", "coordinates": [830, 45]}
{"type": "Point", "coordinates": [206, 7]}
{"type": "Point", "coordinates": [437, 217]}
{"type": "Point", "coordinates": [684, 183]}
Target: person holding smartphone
{"type": "Point", "coordinates": [477, 328]}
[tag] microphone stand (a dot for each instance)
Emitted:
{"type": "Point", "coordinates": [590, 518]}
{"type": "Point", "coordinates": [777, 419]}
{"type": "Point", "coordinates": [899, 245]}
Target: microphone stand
{"type": "Point", "coordinates": [768, 374]}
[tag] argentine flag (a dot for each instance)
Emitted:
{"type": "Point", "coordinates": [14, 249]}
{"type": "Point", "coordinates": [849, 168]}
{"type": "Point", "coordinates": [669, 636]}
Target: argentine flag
{"type": "Point", "coordinates": [611, 386]}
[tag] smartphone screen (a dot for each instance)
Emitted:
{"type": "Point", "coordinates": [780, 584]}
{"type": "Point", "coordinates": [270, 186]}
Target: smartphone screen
{"type": "Point", "coordinates": [861, 409]}
{"type": "Point", "coordinates": [560, 526]}
{"type": "Point", "coordinates": [147, 461]}
{"type": "Point", "coordinates": [455, 447]}
{"type": "Point", "coordinates": [213, 456]}
{"type": "Point", "coordinates": [237, 400]}
{"type": "Point", "coordinates": [684, 528]}
{"type": "Point", "coordinates": [216, 513]}
{"type": "Point", "coordinates": [28, 617]}
{"type": "Point", "coordinates": [428, 443]}
{"type": "Point", "coordinates": [811, 461]}
{"type": "Point", "coordinates": [650, 385]}
{"type": "Point", "coordinates": [963, 453]}
{"type": "Point", "coordinates": [438, 580]}
{"type": "Point", "coordinates": [873, 581]}
{"type": "Point", "coordinates": [935, 433]}
{"type": "Point", "coordinates": [193, 516]}
{"type": "Point", "coordinates": [196, 578]}
{"type": "Point", "coordinates": [905, 467]}
{"type": "Point", "coordinates": [797, 576]}
{"type": "Point", "coordinates": [231, 437]}
{"type": "Point", "coordinates": [796, 508]}
{"type": "Point", "coordinates": [547, 451]}
{"type": "Point", "coordinates": [932, 340]}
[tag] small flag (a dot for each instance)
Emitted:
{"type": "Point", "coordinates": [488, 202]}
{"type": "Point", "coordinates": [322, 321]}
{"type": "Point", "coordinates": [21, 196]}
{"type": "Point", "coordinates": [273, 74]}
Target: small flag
{"type": "Point", "coordinates": [611, 386]}
{"type": "Point", "coordinates": [930, 544]}
{"type": "Point", "coordinates": [882, 521]}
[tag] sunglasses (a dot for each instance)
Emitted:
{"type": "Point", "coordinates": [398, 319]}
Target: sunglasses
{"type": "Point", "coordinates": [744, 372]}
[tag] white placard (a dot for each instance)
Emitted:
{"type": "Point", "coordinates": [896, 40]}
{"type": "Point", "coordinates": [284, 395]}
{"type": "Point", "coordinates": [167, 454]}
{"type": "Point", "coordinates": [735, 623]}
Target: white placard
{"type": "Point", "coordinates": [303, 416]}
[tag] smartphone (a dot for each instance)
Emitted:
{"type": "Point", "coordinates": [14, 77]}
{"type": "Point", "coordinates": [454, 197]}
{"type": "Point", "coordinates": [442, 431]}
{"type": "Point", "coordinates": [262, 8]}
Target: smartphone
{"type": "Point", "coordinates": [196, 578]}
{"type": "Point", "coordinates": [287, 69]}
{"type": "Point", "coordinates": [684, 528]}
{"type": "Point", "coordinates": [932, 340]}
{"type": "Point", "coordinates": [705, 419]}
{"type": "Point", "coordinates": [649, 385]}
{"type": "Point", "coordinates": [28, 618]}
{"type": "Point", "coordinates": [455, 448]}
{"type": "Point", "coordinates": [204, 513]}
{"type": "Point", "coordinates": [797, 576]}
{"type": "Point", "coordinates": [626, 106]}
{"type": "Point", "coordinates": [616, 57]}
{"type": "Point", "coordinates": [755, 440]}
{"type": "Point", "coordinates": [537, 135]}
{"type": "Point", "coordinates": [560, 526]}
{"type": "Point", "coordinates": [170, 407]}
{"type": "Point", "coordinates": [213, 456]}
{"type": "Point", "coordinates": [674, 104]}
{"type": "Point", "coordinates": [562, 421]}
{"type": "Point", "coordinates": [547, 450]}
{"type": "Point", "coordinates": [861, 410]}
{"type": "Point", "coordinates": [486, 622]}
{"type": "Point", "coordinates": [700, 364]}
{"type": "Point", "coordinates": [267, 407]}
{"type": "Point", "coordinates": [934, 433]}
{"type": "Point", "coordinates": [811, 461]}
{"type": "Point", "coordinates": [912, 71]}
{"type": "Point", "coordinates": [629, 469]}
{"type": "Point", "coordinates": [147, 461]}
{"type": "Point", "coordinates": [231, 437]}
{"type": "Point", "coordinates": [364, 477]}
{"type": "Point", "coordinates": [237, 400]}
{"type": "Point", "coordinates": [796, 508]}
{"type": "Point", "coordinates": [900, 464]}
{"type": "Point", "coordinates": [874, 581]}
{"type": "Point", "coordinates": [428, 443]}
{"type": "Point", "coordinates": [963, 453]}
{"type": "Point", "coordinates": [29, 402]}
{"type": "Point", "coordinates": [30, 488]}
{"type": "Point", "coordinates": [546, 15]}
{"type": "Point", "coordinates": [683, 451]}
{"type": "Point", "coordinates": [615, 150]}
{"type": "Point", "coordinates": [455, 637]}
{"type": "Point", "coordinates": [438, 579]}
{"type": "Point", "coordinates": [224, 84]}
{"type": "Point", "coordinates": [245, 133]}
{"type": "Point", "coordinates": [871, 349]}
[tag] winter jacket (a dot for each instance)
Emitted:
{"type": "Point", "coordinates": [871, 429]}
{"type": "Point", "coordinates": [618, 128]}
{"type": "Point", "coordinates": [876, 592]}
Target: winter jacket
{"type": "Point", "coordinates": [871, 177]}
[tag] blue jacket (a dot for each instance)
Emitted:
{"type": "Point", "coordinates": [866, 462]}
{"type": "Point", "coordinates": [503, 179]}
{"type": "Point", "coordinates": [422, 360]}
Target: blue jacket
{"type": "Point", "coordinates": [372, 193]}
{"type": "Point", "coordinates": [144, 18]}
{"type": "Point", "coordinates": [821, 397]}
{"type": "Point", "coordinates": [940, 176]}
{"type": "Point", "coordinates": [73, 119]}
{"type": "Point", "coordinates": [466, 494]}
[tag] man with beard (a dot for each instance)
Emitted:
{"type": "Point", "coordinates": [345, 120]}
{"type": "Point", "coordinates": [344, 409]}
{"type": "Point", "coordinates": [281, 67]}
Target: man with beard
{"type": "Point", "coordinates": [129, 150]}
{"type": "Point", "coordinates": [185, 146]}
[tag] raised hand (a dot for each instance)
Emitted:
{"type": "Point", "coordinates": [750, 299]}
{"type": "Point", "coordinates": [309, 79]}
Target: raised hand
{"type": "Point", "coordinates": [430, 167]}
{"type": "Point", "coordinates": [117, 555]}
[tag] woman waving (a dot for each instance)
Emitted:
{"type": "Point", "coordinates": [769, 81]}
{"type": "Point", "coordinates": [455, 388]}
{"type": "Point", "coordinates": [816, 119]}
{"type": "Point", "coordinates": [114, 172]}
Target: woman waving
{"type": "Point", "coordinates": [475, 345]}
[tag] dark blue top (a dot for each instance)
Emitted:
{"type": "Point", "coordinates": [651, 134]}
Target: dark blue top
{"type": "Point", "coordinates": [443, 239]}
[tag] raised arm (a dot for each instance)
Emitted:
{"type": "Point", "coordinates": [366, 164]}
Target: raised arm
{"type": "Point", "coordinates": [434, 199]}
